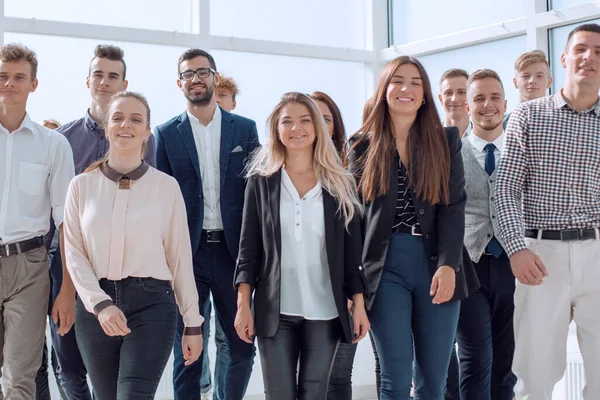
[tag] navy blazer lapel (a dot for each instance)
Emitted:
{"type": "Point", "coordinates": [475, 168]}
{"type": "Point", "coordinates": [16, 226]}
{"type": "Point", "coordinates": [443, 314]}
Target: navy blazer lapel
{"type": "Point", "coordinates": [227, 130]}
{"type": "Point", "coordinates": [187, 135]}
{"type": "Point", "coordinates": [274, 194]}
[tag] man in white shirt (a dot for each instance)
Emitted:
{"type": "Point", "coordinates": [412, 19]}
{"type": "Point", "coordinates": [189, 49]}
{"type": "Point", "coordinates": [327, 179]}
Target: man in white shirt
{"type": "Point", "coordinates": [36, 166]}
{"type": "Point", "coordinates": [453, 96]}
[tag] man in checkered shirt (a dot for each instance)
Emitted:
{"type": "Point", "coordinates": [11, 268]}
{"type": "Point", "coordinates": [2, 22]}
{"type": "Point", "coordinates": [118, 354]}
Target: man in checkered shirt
{"type": "Point", "coordinates": [548, 205]}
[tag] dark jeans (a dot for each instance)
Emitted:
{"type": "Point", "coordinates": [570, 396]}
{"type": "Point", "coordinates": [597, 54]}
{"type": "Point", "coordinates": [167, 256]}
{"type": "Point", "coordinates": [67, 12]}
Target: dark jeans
{"type": "Point", "coordinates": [314, 343]}
{"type": "Point", "coordinates": [130, 367]}
{"type": "Point", "coordinates": [452, 381]}
{"type": "Point", "coordinates": [340, 381]}
{"type": "Point", "coordinates": [403, 311]}
{"type": "Point", "coordinates": [69, 366]}
{"type": "Point", "coordinates": [486, 341]}
{"type": "Point", "coordinates": [42, 386]}
{"type": "Point", "coordinates": [213, 270]}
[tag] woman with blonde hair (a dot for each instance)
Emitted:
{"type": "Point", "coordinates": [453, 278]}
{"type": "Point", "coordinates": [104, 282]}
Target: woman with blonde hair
{"type": "Point", "coordinates": [300, 253]}
{"type": "Point", "coordinates": [129, 254]}
{"type": "Point", "coordinates": [410, 173]}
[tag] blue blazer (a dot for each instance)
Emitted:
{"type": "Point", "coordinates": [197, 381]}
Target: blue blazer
{"type": "Point", "coordinates": [176, 155]}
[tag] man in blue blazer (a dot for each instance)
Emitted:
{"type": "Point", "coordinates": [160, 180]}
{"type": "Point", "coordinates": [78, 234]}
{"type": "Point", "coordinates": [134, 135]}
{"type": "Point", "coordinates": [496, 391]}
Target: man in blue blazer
{"type": "Point", "coordinates": [205, 149]}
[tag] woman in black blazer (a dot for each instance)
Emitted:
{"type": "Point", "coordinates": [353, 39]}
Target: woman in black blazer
{"type": "Point", "coordinates": [410, 176]}
{"type": "Point", "coordinates": [300, 253]}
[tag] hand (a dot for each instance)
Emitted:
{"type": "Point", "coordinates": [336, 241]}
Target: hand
{"type": "Point", "coordinates": [350, 306]}
{"type": "Point", "coordinates": [528, 268]}
{"type": "Point", "coordinates": [443, 284]}
{"type": "Point", "coordinates": [63, 311]}
{"type": "Point", "coordinates": [244, 324]}
{"type": "Point", "coordinates": [191, 345]}
{"type": "Point", "coordinates": [113, 321]}
{"type": "Point", "coordinates": [361, 321]}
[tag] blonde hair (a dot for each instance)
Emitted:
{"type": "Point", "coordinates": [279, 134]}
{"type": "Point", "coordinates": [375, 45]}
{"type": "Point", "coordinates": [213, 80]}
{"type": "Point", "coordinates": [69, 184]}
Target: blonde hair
{"type": "Point", "coordinates": [327, 164]}
{"type": "Point", "coordinates": [529, 58]}
{"type": "Point", "coordinates": [120, 95]}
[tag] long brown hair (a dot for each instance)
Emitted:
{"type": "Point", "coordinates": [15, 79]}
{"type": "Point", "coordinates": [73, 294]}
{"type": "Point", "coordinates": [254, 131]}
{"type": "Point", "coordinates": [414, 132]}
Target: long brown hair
{"type": "Point", "coordinates": [142, 99]}
{"type": "Point", "coordinates": [339, 131]}
{"type": "Point", "coordinates": [427, 144]}
{"type": "Point", "coordinates": [269, 158]}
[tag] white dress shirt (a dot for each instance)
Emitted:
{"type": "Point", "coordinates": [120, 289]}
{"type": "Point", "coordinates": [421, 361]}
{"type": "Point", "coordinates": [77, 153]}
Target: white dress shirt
{"type": "Point", "coordinates": [306, 289]}
{"type": "Point", "coordinates": [208, 146]}
{"type": "Point", "coordinates": [36, 166]}
{"type": "Point", "coordinates": [478, 146]}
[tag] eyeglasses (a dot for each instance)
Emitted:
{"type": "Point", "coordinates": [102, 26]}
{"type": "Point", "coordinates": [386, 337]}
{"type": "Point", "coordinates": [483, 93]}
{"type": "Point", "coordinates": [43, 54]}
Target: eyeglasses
{"type": "Point", "coordinates": [201, 72]}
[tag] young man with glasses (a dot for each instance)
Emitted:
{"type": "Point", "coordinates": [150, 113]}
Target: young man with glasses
{"type": "Point", "coordinates": [204, 149]}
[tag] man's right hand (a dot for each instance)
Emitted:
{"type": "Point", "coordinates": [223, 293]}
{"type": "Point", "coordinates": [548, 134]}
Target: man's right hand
{"type": "Point", "coordinates": [528, 268]}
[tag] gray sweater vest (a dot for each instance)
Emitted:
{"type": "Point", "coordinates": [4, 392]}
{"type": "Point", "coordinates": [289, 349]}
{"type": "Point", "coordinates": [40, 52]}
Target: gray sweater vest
{"type": "Point", "coordinates": [481, 223]}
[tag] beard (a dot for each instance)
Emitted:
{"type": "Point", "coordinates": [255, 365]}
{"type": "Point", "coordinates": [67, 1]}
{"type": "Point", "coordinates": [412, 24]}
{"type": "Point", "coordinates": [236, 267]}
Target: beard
{"type": "Point", "coordinates": [203, 99]}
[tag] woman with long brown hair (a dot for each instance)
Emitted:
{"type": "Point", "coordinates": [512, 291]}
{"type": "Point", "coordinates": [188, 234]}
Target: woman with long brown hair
{"type": "Point", "coordinates": [300, 253]}
{"type": "Point", "coordinates": [410, 176]}
{"type": "Point", "coordinates": [333, 119]}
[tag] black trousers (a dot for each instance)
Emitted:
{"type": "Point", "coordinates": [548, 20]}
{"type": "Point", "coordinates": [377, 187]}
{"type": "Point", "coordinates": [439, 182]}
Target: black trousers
{"type": "Point", "coordinates": [314, 343]}
{"type": "Point", "coordinates": [485, 334]}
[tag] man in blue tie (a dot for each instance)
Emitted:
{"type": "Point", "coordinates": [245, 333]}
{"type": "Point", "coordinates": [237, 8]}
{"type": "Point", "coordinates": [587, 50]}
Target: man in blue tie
{"type": "Point", "coordinates": [205, 149]}
{"type": "Point", "coordinates": [485, 328]}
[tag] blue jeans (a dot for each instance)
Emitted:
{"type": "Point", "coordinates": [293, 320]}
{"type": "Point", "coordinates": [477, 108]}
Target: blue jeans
{"type": "Point", "coordinates": [222, 357]}
{"type": "Point", "coordinates": [213, 270]}
{"type": "Point", "coordinates": [402, 312]}
{"type": "Point", "coordinates": [130, 367]}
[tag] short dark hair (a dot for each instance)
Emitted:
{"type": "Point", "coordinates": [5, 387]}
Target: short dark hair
{"type": "Point", "coordinates": [481, 74]}
{"type": "Point", "coordinates": [193, 53]}
{"type": "Point", "coordinates": [14, 52]}
{"type": "Point", "coordinates": [454, 73]}
{"type": "Point", "coordinates": [110, 52]}
{"type": "Point", "coordinates": [582, 28]}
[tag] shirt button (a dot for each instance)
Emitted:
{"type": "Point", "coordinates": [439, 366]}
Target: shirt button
{"type": "Point", "coordinates": [428, 236]}
{"type": "Point", "coordinates": [491, 181]}
{"type": "Point", "coordinates": [421, 211]}
{"type": "Point", "coordinates": [297, 223]}
{"type": "Point", "coordinates": [492, 198]}
{"type": "Point", "coordinates": [200, 196]}
{"type": "Point", "coordinates": [493, 217]}
{"type": "Point", "coordinates": [488, 235]}
{"type": "Point", "coordinates": [433, 258]}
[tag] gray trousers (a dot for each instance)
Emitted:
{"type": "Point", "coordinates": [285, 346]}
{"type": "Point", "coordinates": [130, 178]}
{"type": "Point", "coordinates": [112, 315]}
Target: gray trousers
{"type": "Point", "coordinates": [24, 293]}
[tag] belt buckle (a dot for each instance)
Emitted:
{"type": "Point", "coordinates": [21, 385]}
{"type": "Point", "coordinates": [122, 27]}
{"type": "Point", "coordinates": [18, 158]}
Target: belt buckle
{"type": "Point", "coordinates": [6, 249]}
{"type": "Point", "coordinates": [568, 235]}
{"type": "Point", "coordinates": [212, 237]}
{"type": "Point", "coordinates": [413, 231]}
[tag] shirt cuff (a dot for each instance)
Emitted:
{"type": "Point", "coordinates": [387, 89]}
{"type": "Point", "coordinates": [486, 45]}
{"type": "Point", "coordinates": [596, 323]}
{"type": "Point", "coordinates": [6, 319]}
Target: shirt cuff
{"type": "Point", "coordinates": [192, 330]}
{"type": "Point", "coordinates": [515, 244]}
{"type": "Point", "coordinates": [102, 305]}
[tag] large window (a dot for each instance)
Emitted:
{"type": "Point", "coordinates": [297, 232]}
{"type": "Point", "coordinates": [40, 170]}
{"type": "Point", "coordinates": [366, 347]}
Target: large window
{"type": "Point", "coordinates": [558, 41]}
{"type": "Point", "coordinates": [558, 4]}
{"type": "Point", "coordinates": [177, 15]}
{"type": "Point", "coordinates": [262, 80]}
{"type": "Point", "coordinates": [339, 23]}
{"type": "Point", "coordinates": [414, 20]}
{"type": "Point", "coordinates": [64, 64]}
{"type": "Point", "coordinates": [499, 55]}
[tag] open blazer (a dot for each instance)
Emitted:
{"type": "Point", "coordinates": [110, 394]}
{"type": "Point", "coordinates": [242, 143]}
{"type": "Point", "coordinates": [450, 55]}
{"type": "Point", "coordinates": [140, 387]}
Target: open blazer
{"type": "Point", "coordinates": [259, 265]}
{"type": "Point", "coordinates": [443, 226]}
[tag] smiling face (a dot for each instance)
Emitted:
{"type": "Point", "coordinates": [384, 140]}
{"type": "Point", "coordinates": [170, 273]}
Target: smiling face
{"type": "Point", "coordinates": [198, 91]}
{"type": "Point", "coordinates": [582, 60]}
{"type": "Point", "coordinates": [532, 81]}
{"type": "Point", "coordinates": [296, 128]}
{"type": "Point", "coordinates": [405, 92]}
{"type": "Point", "coordinates": [127, 127]}
{"type": "Point", "coordinates": [16, 83]}
{"type": "Point", "coordinates": [454, 97]}
{"type": "Point", "coordinates": [486, 103]}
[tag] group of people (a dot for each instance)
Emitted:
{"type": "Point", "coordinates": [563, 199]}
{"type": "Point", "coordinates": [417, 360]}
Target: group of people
{"type": "Point", "coordinates": [477, 231]}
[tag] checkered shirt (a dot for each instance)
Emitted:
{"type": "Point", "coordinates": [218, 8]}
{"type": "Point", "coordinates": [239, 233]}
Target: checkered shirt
{"type": "Point", "coordinates": [549, 174]}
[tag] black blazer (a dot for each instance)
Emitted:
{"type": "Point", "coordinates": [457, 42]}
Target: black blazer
{"type": "Point", "coordinates": [443, 226]}
{"type": "Point", "coordinates": [259, 264]}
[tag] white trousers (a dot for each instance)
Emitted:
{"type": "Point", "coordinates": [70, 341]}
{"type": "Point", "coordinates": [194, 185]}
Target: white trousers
{"type": "Point", "coordinates": [571, 291]}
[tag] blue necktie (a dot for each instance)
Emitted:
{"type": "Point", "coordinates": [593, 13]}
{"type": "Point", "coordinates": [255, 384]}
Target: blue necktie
{"type": "Point", "coordinates": [493, 247]}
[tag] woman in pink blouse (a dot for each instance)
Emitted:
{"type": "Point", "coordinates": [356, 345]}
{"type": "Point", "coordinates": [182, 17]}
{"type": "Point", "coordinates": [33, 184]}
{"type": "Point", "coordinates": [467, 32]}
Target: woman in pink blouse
{"type": "Point", "coordinates": [128, 252]}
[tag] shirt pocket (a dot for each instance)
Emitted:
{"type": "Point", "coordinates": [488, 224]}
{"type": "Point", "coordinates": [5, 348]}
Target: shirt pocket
{"type": "Point", "coordinates": [317, 219]}
{"type": "Point", "coordinates": [32, 178]}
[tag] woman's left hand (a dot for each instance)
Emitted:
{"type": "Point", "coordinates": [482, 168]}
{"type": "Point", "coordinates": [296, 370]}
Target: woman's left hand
{"type": "Point", "coordinates": [361, 321]}
{"type": "Point", "coordinates": [443, 284]}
